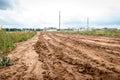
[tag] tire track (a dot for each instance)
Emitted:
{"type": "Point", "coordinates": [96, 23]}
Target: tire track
{"type": "Point", "coordinates": [64, 59]}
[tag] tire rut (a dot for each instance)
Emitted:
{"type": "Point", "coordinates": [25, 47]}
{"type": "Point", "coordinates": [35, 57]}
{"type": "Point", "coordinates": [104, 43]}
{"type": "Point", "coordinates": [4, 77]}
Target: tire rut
{"type": "Point", "coordinates": [64, 61]}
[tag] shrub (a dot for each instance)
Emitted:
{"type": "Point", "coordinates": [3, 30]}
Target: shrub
{"type": "Point", "coordinates": [5, 61]}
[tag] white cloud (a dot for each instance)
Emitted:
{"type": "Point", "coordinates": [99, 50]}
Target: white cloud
{"type": "Point", "coordinates": [45, 12]}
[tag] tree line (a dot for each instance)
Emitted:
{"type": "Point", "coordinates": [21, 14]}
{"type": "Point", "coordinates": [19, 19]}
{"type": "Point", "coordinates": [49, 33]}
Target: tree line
{"type": "Point", "coordinates": [23, 29]}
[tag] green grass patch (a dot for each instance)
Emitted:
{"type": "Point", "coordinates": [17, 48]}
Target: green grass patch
{"type": "Point", "coordinates": [8, 40]}
{"type": "Point", "coordinates": [111, 33]}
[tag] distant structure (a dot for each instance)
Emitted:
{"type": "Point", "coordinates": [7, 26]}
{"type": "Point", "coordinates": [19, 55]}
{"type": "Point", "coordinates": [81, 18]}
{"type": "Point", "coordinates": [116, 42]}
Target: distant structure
{"type": "Point", "coordinates": [87, 23]}
{"type": "Point", "coordinates": [1, 27]}
{"type": "Point", "coordinates": [59, 20]}
{"type": "Point", "coordinates": [50, 29]}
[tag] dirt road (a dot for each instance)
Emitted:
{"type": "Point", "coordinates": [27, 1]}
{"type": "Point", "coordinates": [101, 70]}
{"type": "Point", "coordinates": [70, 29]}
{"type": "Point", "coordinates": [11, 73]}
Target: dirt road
{"type": "Point", "coordinates": [55, 56]}
{"type": "Point", "coordinates": [26, 65]}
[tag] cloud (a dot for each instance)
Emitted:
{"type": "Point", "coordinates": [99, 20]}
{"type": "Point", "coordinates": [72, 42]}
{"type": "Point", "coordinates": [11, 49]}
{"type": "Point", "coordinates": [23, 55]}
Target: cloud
{"type": "Point", "coordinates": [8, 4]}
{"type": "Point", "coordinates": [44, 13]}
{"type": "Point", "coordinates": [5, 4]}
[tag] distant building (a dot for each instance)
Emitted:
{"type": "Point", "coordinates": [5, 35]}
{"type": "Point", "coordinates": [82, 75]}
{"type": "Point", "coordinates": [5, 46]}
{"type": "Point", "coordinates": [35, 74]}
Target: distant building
{"type": "Point", "coordinates": [50, 29]}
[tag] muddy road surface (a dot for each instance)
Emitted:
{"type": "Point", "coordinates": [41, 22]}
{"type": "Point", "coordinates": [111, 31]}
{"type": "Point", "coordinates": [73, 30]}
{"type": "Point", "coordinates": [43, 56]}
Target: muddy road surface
{"type": "Point", "coordinates": [56, 56]}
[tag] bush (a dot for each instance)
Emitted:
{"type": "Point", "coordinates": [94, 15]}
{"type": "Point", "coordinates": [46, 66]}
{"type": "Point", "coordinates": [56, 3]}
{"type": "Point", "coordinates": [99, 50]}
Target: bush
{"type": "Point", "coordinates": [5, 61]}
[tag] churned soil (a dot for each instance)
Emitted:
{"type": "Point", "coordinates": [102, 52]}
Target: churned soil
{"type": "Point", "coordinates": [57, 56]}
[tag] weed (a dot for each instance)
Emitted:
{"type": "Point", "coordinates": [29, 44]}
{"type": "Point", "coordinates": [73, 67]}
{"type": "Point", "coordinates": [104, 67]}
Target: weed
{"type": "Point", "coordinates": [5, 61]}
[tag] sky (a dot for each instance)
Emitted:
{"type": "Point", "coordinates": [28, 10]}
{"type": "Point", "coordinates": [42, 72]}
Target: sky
{"type": "Point", "coordinates": [74, 13]}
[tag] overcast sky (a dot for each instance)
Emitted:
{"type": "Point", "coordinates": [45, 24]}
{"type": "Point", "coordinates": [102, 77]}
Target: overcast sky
{"type": "Point", "coordinates": [44, 13]}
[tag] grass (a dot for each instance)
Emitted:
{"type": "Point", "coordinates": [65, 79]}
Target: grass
{"type": "Point", "coordinates": [110, 33]}
{"type": "Point", "coordinates": [8, 40]}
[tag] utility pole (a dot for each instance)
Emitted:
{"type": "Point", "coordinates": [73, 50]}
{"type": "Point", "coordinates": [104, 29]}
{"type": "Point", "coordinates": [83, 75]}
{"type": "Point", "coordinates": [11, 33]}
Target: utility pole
{"type": "Point", "coordinates": [1, 27]}
{"type": "Point", "coordinates": [59, 20]}
{"type": "Point", "coordinates": [87, 23]}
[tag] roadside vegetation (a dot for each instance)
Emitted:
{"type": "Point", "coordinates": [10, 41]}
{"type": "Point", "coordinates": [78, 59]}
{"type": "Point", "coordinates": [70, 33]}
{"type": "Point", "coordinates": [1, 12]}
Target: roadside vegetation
{"type": "Point", "coordinates": [111, 33]}
{"type": "Point", "coordinates": [8, 40]}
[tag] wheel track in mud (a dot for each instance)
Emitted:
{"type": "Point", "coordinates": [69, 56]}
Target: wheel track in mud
{"type": "Point", "coordinates": [109, 52]}
{"type": "Point", "coordinates": [53, 56]}
{"type": "Point", "coordinates": [76, 63]}
{"type": "Point", "coordinates": [26, 65]}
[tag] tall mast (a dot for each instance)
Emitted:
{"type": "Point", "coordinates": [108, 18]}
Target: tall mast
{"type": "Point", "coordinates": [87, 23]}
{"type": "Point", "coordinates": [59, 19]}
